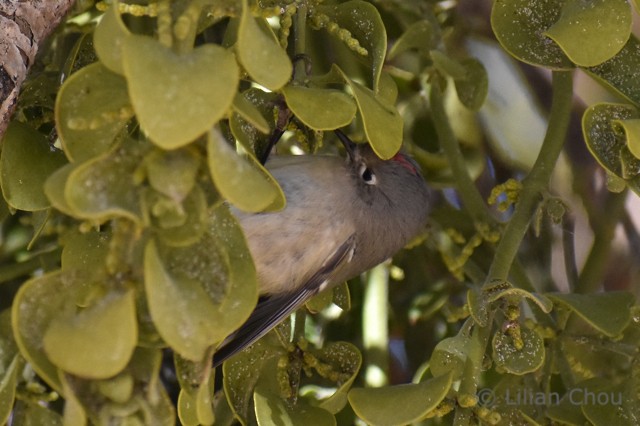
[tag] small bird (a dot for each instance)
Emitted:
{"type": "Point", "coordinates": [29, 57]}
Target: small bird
{"type": "Point", "coordinates": [341, 219]}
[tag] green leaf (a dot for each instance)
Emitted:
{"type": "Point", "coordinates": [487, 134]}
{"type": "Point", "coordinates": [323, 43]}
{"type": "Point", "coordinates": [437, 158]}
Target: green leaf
{"type": "Point", "coordinates": [472, 89]}
{"type": "Point", "coordinates": [401, 404]}
{"type": "Point", "coordinates": [27, 160]}
{"type": "Point", "coordinates": [363, 21]}
{"type": "Point", "coordinates": [92, 108]}
{"type": "Point", "coordinates": [245, 131]}
{"type": "Point", "coordinates": [182, 310]}
{"type": "Point", "coordinates": [382, 123]}
{"type": "Point", "coordinates": [607, 142]}
{"type": "Point", "coordinates": [270, 406]}
{"type": "Point", "coordinates": [260, 54]}
{"type": "Point", "coordinates": [105, 187]}
{"type": "Point", "coordinates": [242, 372]}
{"type": "Point", "coordinates": [631, 129]}
{"type": "Point", "coordinates": [245, 108]}
{"type": "Point", "coordinates": [98, 341]}
{"type": "Point", "coordinates": [621, 73]}
{"type": "Point", "coordinates": [310, 106]}
{"type": "Point", "coordinates": [346, 359]}
{"type": "Point", "coordinates": [54, 188]}
{"type": "Point", "coordinates": [608, 313]}
{"type": "Point", "coordinates": [182, 98]}
{"type": "Point", "coordinates": [36, 304]}
{"type": "Point", "coordinates": [195, 406]}
{"type": "Point", "coordinates": [109, 37]}
{"type": "Point", "coordinates": [591, 32]}
{"type": "Point", "coordinates": [520, 26]}
{"type": "Point", "coordinates": [421, 36]}
{"type": "Point", "coordinates": [242, 181]}
{"type": "Point", "coordinates": [172, 173]}
{"type": "Point", "coordinates": [178, 224]}
{"type": "Point", "coordinates": [8, 384]}
{"type": "Point", "coordinates": [199, 294]}
{"type": "Point", "coordinates": [518, 361]}
{"type": "Point", "coordinates": [450, 355]}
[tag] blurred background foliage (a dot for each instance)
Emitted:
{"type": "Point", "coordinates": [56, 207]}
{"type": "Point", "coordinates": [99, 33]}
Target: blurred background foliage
{"type": "Point", "coordinates": [121, 267]}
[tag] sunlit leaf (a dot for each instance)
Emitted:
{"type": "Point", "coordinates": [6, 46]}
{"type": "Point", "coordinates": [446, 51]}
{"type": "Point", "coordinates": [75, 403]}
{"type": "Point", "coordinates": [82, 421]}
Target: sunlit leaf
{"type": "Point", "coordinates": [382, 123]}
{"type": "Point", "coordinates": [182, 98]}
{"type": "Point", "coordinates": [92, 108]}
{"type": "Point", "coordinates": [37, 303]}
{"type": "Point", "coordinates": [105, 186]}
{"type": "Point", "coordinates": [242, 181]}
{"type": "Point", "coordinates": [310, 106]}
{"type": "Point", "coordinates": [98, 341]}
{"type": "Point", "coordinates": [591, 32]}
{"type": "Point", "coordinates": [27, 160]}
{"type": "Point", "coordinates": [260, 54]}
{"type": "Point", "coordinates": [400, 404]}
{"type": "Point", "coordinates": [109, 37]}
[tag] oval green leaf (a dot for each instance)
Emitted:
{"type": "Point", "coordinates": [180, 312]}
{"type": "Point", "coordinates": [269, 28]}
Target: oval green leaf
{"type": "Point", "coordinates": [182, 311]}
{"type": "Point", "coordinates": [92, 108]}
{"type": "Point", "coordinates": [346, 359]}
{"type": "Point", "coordinates": [54, 188]}
{"type": "Point", "coordinates": [178, 97]}
{"type": "Point", "coordinates": [27, 160]}
{"type": "Point", "coordinates": [259, 52]}
{"type": "Point", "coordinates": [518, 361]}
{"type": "Point", "coordinates": [310, 106]}
{"type": "Point", "coordinates": [607, 142]}
{"type": "Point", "coordinates": [105, 186]}
{"type": "Point", "coordinates": [591, 32]}
{"type": "Point", "coordinates": [608, 313]}
{"type": "Point", "coordinates": [36, 304]}
{"type": "Point", "coordinates": [109, 37]}
{"type": "Point", "coordinates": [520, 25]}
{"type": "Point", "coordinates": [383, 124]}
{"type": "Point", "coordinates": [97, 342]}
{"type": "Point", "coordinates": [473, 87]}
{"type": "Point", "coordinates": [401, 404]}
{"type": "Point", "coordinates": [242, 181]}
{"type": "Point", "coordinates": [270, 406]}
{"type": "Point", "coordinates": [420, 36]}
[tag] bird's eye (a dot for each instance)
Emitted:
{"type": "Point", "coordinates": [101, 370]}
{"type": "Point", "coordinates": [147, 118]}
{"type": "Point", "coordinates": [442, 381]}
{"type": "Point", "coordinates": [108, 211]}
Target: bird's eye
{"type": "Point", "coordinates": [367, 175]}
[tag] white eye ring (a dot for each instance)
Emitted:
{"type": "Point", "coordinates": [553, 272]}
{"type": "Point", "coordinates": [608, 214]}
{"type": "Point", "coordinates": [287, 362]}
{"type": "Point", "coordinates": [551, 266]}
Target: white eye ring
{"type": "Point", "coordinates": [367, 175]}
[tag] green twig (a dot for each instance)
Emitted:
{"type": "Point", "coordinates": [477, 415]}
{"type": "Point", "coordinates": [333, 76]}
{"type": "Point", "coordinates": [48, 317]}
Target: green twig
{"type": "Point", "coordinates": [471, 198]}
{"type": "Point", "coordinates": [300, 42]}
{"type": "Point", "coordinates": [375, 333]}
{"type": "Point", "coordinates": [594, 268]}
{"type": "Point", "coordinates": [538, 178]}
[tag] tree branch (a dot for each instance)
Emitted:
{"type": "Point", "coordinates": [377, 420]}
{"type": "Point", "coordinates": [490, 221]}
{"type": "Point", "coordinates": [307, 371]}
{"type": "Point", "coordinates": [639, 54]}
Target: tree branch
{"type": "Point", "coordinates": [23, 27]}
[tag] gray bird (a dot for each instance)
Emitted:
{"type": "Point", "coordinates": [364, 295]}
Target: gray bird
{"type": "Point", "coordinates": [341, 219]}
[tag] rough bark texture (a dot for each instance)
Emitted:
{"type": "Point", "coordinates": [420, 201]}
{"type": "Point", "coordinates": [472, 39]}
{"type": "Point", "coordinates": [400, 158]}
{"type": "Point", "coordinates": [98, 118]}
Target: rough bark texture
{"type": "Point", "coordinates": [24, 24]}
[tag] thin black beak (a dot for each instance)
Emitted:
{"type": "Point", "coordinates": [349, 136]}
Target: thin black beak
{"type": "Point", "coordinates": [349, 145]}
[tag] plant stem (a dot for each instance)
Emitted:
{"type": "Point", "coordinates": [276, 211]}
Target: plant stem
{"type": "Point", "coordinates": [591, 275]}
{"type": "Point", "coordinates": [538, 178]}
{"type": "Point", "coordinates": [471, 198]}
{"type": "Point", "coordinates": [300, 41]}
{"type": "Point", "coordinates": [375, 333]}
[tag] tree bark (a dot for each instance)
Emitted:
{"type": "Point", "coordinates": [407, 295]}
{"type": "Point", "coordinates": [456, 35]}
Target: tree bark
{"type": "Point", "coordinates": [24, 24]}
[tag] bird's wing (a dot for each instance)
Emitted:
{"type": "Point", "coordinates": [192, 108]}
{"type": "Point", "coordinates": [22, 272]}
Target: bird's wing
{"type": "Point", "coordinates": [272, 310]}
